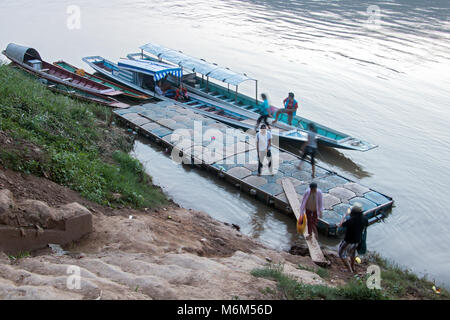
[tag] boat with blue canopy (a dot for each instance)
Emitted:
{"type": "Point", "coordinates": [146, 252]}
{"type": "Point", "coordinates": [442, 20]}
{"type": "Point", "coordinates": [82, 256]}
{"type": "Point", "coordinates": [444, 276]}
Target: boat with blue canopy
{"type": "Point", "coordinates": [225, 97]}
{"type": "Point", "coordinates": [136, 76]}
{"type": "Point", "coordinates": [156, 69]}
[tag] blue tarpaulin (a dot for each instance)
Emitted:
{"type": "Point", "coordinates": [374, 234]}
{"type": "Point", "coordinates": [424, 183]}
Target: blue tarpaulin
{"type": "Point", "coordinates": [156, 69]}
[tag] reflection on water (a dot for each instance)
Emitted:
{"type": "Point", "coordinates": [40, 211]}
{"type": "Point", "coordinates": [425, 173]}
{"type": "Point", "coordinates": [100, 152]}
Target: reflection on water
{"type": "Point", "coordinates": [381, 76]}
{"type": "Point", "coordinates": [333, 160]}
{"type": "Point", "coordinates": [196, 189]}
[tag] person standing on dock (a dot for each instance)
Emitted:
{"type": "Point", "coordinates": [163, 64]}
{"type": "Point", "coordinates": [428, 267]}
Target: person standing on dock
{"type": "Point", "coordinates": [263, 143]}
{"type": "Point", "coordinates": [290, 108]}
{"type": "Point", "coordinates": [353, 232]}
{"type": "Point", "coordinates": [313, 206]}
{"type": "Point", "coordinates": [310, 148]}
{"type": "Point", "coordinates": [264, 111]}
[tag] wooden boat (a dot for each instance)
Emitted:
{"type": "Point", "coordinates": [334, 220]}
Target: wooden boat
{"type": "Point", "coordinates": [224, 97]}
{"type": "Point", "coordinates": [227, 114]}
{"type": "Point", "coordinates": [127, 92]}
{"type": "Point", "coordinates": [129, 73]}
{"type": "Point", "coordinates": [30, 60]}
{"type": "Point", "coordinates": [204, 104]}
{"type": "Point", "coordinates": [84, 96]}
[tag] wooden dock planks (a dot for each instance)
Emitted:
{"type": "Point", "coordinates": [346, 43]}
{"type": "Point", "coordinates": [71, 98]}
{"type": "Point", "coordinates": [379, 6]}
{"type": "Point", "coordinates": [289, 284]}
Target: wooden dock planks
{"type": "Point", "coordinates": [291, 195]}
{"type": "Point", "coordinates": [313, 245]}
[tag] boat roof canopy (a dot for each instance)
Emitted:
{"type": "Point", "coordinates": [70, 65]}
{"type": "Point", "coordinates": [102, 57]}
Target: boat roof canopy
{"type": "Point", "coordinates": [21, 53]}
{"type": "Point", "coordinates": [156, 69]}
{"type": "Point", "coordinates": [197, 65]}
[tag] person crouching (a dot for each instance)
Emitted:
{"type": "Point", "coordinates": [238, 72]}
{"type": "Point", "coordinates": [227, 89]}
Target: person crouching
{"type": "Point", "coordinates": [353, 232]}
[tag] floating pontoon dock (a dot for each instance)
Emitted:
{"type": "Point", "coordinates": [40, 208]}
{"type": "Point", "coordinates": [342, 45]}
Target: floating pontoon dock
{"type": "Point", "coordinates": [173, 126]}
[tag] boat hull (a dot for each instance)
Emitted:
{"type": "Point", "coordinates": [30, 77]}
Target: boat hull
{"type": "Point", "coordinates": [287, 133]}
{"type": "Point", "coordinates": [61, 76]}
{"type": "Point", "coordinates": [129, 93]}
{"type": "Point", "coordinates": [85, 97]}
{"type": "Point", "coordinates": [326, 136]}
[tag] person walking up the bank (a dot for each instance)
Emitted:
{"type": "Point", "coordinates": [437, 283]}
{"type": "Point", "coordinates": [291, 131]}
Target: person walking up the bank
{"type": "Point", "coordinates": [263, 144]}
{"type": "Point", "coordinates": [264, 111]}
{"type": "Point", "coordinates": [310, 148]}
{"type": "Point", "coordinates": [313, 206]}
{"type": "Point", "coordinates": [354, 228]}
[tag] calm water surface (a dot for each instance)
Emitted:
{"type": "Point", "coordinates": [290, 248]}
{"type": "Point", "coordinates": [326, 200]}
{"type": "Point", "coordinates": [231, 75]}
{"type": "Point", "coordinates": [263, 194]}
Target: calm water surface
{"type": "Point", "coordinates": [383, 76]}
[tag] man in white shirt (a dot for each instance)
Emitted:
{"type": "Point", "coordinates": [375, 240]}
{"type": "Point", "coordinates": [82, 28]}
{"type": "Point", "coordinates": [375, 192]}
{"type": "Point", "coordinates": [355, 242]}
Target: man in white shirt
{"type": "Point", "coordinates": [263, 143]}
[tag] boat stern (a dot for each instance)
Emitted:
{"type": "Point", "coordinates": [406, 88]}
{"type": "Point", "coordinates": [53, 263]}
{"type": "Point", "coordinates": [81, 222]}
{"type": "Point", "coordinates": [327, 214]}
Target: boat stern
{"type": "Point", "coordinates": [356, 144]}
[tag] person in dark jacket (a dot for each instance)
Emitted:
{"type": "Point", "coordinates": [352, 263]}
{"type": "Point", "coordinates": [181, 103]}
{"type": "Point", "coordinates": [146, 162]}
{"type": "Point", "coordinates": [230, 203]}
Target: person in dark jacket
{"type": "Point", "coordinates": [354, 227]}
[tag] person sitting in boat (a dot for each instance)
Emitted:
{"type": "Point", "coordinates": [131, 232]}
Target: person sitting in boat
{"type": "Point", "coordinates": [170, 93]}
{"type": "Point", "coordinates": [158, 89]}
{"type": "Point", "coordinates": [290, 108]}
{"type": "Point", "coordinates": [161, 90]}
{"type": "Point", "coordinates": [181, 94]}
{"type": "Point", "coordinates": [166, 87]}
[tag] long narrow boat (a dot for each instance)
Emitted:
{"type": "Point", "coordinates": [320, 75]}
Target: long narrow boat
{"type": "Point", "coordinates": [30, 60]}
{"type": "Point", "coordinates": [224, 97]}
{"type": "Point", "coordinates": [85, 97]}
{"type": "Point", "coordinates": [78, 94]}
{"type": "Point", "coordinates": [128, 74]}
{"type": "Point", "coordinates": [133, 74]}
{"type": "Point", "coordinates": [127, 92]}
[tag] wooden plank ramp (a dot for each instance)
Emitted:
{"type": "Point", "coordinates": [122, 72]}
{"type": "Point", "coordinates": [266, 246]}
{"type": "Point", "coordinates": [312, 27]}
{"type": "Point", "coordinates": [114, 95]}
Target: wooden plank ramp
{"type": "Point", "coordinates": [313, 245]}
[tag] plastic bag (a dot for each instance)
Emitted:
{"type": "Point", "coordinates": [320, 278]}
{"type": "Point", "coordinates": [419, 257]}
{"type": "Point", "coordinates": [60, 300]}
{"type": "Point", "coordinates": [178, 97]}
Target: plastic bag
{"type": "Point", "coordinates": [301, 224]}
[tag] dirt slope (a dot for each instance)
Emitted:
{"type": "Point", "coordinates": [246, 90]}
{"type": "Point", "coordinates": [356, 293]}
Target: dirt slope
{"type": "Point", "coordinates": [168, 253]}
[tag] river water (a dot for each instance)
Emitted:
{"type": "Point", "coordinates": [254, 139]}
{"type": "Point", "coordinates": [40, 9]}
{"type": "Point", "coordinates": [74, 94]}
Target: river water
{"type": "Point", "coordinates": [379, 70]}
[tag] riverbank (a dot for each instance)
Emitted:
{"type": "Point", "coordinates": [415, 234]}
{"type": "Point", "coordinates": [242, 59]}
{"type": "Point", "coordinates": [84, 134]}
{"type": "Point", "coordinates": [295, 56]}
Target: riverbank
{"type": "Point", "coordinates": [173, 253]}
{"type": "Point", "coordinates": [60, 151]}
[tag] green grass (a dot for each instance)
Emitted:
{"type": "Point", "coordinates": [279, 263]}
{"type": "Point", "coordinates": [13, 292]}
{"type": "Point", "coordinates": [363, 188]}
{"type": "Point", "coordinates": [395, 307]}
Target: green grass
{"type": "Point", "coordinates": [321, 272]}
{"type": "Point", "coordinates": [20, 255]}
{"type": "Point", "coordinates": [400, 282]}
{"type": "Point", "coordinates": [76, 148]}
{"type": "Point", "coordinates": [396, 283]}
{"type": "Point", "coordinates": [289, 288]}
